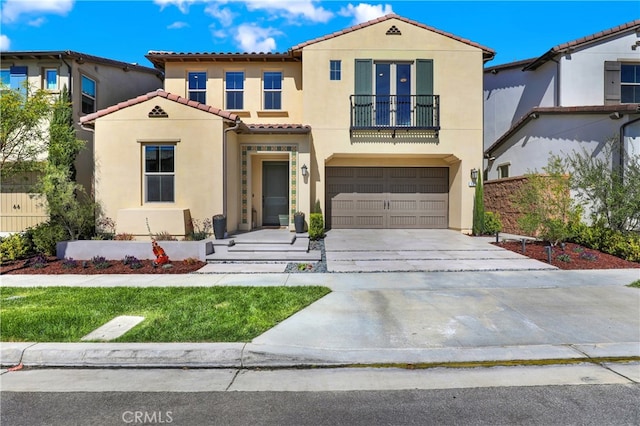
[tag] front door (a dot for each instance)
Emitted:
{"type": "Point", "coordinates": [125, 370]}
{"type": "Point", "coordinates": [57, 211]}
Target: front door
{"type": "Point", "coordinates": [275, 191]}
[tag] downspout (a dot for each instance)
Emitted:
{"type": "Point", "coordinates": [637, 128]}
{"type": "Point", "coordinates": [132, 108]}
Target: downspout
{"type": "Point", "coordinates": [61, 57]}
{"type": "Point", "coordinates": [556, 99]}
{"type": "Point", "coordinates": [224, 163]}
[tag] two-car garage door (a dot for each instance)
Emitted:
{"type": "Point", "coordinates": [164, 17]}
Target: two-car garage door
{"type": "Point", "coordinates": [387, 197]}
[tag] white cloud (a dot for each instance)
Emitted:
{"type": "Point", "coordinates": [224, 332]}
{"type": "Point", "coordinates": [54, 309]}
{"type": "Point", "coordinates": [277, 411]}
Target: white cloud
{"type": "Point", "coordinates": [366, 12]}
{"type": "Point", "coordinates": [182, 5]}
{"type": "Point", "coordinates": [223, 15]}
{"type": "Point", "coordinates": [5, 43]}
{"type": "Point", "coordinates": [36, 22]}
{"type": "Point", "coordinates": [293, 8]}
{"type": "Point", "coordinates": [12, 9]}
{"type": "Point", "coordinates": [252, 38]}
{"type": "Point", "coordinates": [177, 25]}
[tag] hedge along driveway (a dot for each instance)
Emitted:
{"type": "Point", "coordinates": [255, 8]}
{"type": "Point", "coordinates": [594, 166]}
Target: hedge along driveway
{"type": "Point", "coordinates": [196, 314]}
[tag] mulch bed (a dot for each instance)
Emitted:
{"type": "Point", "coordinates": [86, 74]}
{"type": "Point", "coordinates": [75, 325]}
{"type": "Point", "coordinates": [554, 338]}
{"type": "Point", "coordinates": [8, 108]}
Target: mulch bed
{"type": "Point", "coordinates": [56, 266]}
{"type": "Point", "coordinates": [573, 256]}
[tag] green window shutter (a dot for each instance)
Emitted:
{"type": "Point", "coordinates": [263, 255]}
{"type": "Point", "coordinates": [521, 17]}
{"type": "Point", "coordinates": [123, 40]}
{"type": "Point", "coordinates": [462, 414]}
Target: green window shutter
{"type": "Point", "coordinates": [612, 92]}
{"type": "Point", "coordinates": [424, 91]}
{"type": "Point", "coordinates": [363, 100]}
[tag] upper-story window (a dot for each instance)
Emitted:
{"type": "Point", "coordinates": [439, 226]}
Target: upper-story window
{"type": "Point", "coordinates": [272, 90]}
{"type": "Point", "coordinates": [88, 95]}
{"type": "Point", "coordinates": [50, 79]}
{"type": "Point", "coordinates": [198, 87]}
{"type": "Point", "coordinates": [503, 171]}
{"type": "Point", "coordinates": [159, 172]}
{"type": "Point", "coordinates": [14, 77]}
{"type": "Point", "coordinates": [234, 86]}
{"type": "Point", "coordinates": [335, 70]}
{"type": "Point", "coordinates": [630, 83]}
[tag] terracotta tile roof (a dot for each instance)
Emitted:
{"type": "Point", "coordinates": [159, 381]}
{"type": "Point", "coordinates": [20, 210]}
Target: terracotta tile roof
{"type": "Point", "coordinates": [77, 56]}
{"type": "Point", "coordinates": [278, 128]}
{"type": "Point", "coordinates": [561, 48]}
{"type": "Point", "coordinates": [161, 93]}
{"type": "Point", "coordinates": [489, 53]}
{"type": "Point", "coordinates": [588, 109]}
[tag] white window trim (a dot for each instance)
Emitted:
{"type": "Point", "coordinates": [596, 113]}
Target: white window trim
{"type": "Point", "coordinates": [45, 80]}
{"type": "Point", "coordinates": [264, 91]}
{"type": "Point", "coordinates": [499, 170]}
{"type": "Point", "coordinates": [206, 83]}
{"type": "Point", "coordinates": [244, 79]}
{"type": "Point", "coordinates": [94, 97]}
{"type": "Point", "coordinates": [338, 71]}
{"type": "Point", "coordinates": [145, 173]}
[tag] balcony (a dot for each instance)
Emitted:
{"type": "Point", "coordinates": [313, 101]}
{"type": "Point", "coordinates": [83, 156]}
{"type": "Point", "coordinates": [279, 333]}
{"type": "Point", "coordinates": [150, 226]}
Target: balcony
{"type": "Point", "coordinates": [395, 112]}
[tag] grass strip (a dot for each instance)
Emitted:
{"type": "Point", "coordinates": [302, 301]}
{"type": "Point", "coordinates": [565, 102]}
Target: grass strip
{"type": "Point", "coordinates": [172, 314]}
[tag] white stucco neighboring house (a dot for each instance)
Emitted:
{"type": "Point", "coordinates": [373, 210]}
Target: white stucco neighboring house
{"type": "Point", "coordinates": [579, 94]}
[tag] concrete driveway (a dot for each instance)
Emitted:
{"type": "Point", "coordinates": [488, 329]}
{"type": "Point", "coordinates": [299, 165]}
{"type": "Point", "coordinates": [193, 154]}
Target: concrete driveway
{"type": "Point", "coordinates": [386, 250]}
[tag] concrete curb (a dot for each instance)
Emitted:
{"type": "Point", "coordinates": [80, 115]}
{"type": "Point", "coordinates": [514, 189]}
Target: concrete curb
{"type": "Point", "coordinates": [249, 355]}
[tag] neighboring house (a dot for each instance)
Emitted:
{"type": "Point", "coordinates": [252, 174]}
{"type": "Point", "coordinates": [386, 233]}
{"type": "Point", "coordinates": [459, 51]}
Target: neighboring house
{"type": "Point", "coordinates": [381, 123]}
{"type": "Point", "coordinates": [576, 96]}
{"type": "Point", "coordinates": [94, 83]}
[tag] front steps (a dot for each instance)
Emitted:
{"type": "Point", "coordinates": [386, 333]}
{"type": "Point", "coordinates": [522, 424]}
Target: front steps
{"type": "Point", "coordinates": [266, 245]}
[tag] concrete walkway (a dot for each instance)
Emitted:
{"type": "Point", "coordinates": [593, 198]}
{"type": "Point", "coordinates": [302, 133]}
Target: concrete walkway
{"type": "Point", "coordinates": [382, 250]}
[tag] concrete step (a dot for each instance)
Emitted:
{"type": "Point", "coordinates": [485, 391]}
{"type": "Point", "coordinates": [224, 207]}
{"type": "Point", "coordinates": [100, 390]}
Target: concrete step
{"type": "Point", "coordinates": [265, 256]}
{"type": "Point", "coordinates": [297, 245]}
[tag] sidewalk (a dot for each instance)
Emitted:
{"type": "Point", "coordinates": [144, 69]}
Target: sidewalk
{"type": "Point", "coordinates": [437, 318]}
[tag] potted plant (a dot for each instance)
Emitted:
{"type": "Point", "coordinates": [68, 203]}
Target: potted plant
{"type": "Point", "coordinates": [219, 226]}
{"type": "Point", "coordinates": [298, 221]}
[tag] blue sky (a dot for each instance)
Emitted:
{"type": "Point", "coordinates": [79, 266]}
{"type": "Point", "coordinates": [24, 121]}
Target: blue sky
{"type": "Point", "coordinates": [127, 30]}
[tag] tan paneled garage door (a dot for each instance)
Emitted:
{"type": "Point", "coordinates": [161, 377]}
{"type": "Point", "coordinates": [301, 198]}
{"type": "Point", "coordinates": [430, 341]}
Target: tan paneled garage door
{"type": "Point", "coordinates": [387, 197]}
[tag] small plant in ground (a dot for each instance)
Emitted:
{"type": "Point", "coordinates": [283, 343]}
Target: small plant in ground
{"type": "Point", "coordinates": [201, 229]}
{"type": "Point", "coordinates": [132, 261]}
{"type": "Point", "coordinates": [190, 261]}
{"type": "Point", "coordinates": [164, 236]}
{"type": "Point", "coordinates": [69, 263]}
{"type": "Point", "coordinates": [123, 237]}
{"type": "Point", "coordinates": [13, 247]}
{"type": "Point", "coordinates": [105, 228]}
{"type": "Point", "coordinates": [492, 223]}
{"type": "Point", "coordinates": [563, 258]}
{"type": "Point", "coordinates": [99, 262]}
{"type": "Point", "coordinates": [589, 256]}
{"type": "Point", "coordinates": [304, 266]}
{"type": "Point", "coordinates": [316, 226]}
{"type": "Point", "coordinates": [578, 249]}
{"type": "Point", "coordinates": [635, 284]}
{"type": "Point", "coordinates": [38, 262]}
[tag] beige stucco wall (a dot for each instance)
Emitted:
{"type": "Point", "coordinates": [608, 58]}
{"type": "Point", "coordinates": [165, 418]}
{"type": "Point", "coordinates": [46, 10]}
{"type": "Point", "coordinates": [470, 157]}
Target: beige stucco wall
{"type": "Point", "coordinates": [457, 80]}
{"type": "Point", "coordinates": [120, 138]}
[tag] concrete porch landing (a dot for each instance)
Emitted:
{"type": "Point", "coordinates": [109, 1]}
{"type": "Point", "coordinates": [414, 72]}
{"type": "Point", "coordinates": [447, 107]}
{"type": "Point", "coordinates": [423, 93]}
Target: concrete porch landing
{"type": "Point", "coordinates": [264, 245]}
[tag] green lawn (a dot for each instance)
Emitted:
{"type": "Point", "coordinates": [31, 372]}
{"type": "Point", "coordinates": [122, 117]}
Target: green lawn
{"type": "Point", "coordinates": [635, 284]}
{"type": "Point", "coordinates": [195, 314]}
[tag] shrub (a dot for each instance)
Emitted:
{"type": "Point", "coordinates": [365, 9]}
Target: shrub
{"type": "Point", "coordinates": [45, 236]}
{"type": "Point", "coordinates": [563, 258]}
{"type": "Point", "coordinates": [100, 262]}
{"type": "Point", "coordinates": [616, 243]}
{"type": "Point", "coordinates": [492, 223]}
{"type": "Point", "coordinates": [588, 256]}
{"type": "Point", "coordinates": [164, 236]}
{"type": "Point", "coordinates": [132, 261]}
{"type": "Point", "coordinates": [38, 262]}
{"type": "Point", "coordinates": [123, 237]}
{"type": "Point", "coordinates": [69, 263]}
{"type": "Point", "coordinates": [201, 229]}
{"type": "Point", "coordinates": [15, 246]}
{"type": "Point", "coordinates": [316, 226]}
{"type": "Point", "coordinates": [478, 209]}
{"type": "Point", "coordinates": [190, 261]}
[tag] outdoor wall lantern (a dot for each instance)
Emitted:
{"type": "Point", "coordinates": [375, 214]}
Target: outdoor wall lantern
{"type": "Point", "coordinates": [474, 174]}
{"type": "Point", "coordinates": [304, 170]}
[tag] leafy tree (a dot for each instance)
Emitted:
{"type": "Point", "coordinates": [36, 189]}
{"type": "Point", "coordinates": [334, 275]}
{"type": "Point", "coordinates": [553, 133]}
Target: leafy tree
{"type": "Point", "coordinates": [23, 131]}
{"type": "Point", "coordinates": [63, 145]}
{"type": "Point", "coordinates": [608, 184]}
{"type": "Point", "coordinates": [478, 208]}
{"type": "Point", "coordinates": [548, 209]}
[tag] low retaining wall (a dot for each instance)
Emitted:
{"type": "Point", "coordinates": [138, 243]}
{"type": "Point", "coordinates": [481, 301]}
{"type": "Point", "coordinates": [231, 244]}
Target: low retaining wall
{"type": "Point", "coordinates": [497, 199]}
{"type": "Point", "coordinates": [116, 250]}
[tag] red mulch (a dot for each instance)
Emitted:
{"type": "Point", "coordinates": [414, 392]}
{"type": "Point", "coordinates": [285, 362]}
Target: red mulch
{"type": "Point", "coordinates": [55, 267]}
{"type": "Point", "coordinates": [579, 257]}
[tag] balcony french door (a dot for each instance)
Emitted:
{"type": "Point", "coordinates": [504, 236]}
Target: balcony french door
{"type": "Point", "coordinates": [393, 94]}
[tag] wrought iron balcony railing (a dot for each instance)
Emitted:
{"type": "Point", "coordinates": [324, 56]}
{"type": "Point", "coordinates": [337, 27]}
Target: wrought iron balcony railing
{"type": "Point", "coordinates": [375, 112]}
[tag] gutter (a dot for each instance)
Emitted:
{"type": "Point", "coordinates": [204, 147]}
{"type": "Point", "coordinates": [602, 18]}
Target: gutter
{"type": "Point", "coordinates": [235, 127]}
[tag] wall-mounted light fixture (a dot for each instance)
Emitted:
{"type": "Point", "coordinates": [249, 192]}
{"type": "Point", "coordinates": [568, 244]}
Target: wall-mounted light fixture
{"type": "Point", "coordinates": [304, 170]}
{"type": "Point", "coordinates": [474, 174]}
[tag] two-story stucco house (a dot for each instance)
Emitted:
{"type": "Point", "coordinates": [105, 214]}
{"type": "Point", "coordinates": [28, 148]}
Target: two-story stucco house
{"type": "Point", "coordinates": [94, 83]}
{"type": "Point", "coordinates": [380, 123]}
{"type": "Point", "coordinates": [578, 95]}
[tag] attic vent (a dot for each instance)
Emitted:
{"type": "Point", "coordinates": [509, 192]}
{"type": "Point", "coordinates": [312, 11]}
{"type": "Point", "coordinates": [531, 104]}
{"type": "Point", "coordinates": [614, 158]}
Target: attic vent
{"type": "Point", "coordinates": [158, 112]}
{"type": "Point", "coordinates": [393, 31]}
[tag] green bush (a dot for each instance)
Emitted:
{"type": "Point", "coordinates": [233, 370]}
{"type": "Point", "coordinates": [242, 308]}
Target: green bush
{"type": "Point", "coordinates": [15, 246]}
{"type": "Point", "coordinates": [492, 223]}
{"type": "Point", "coordinates": [606, 240]}
{"type": "Point", "coordinates": [45, 236]}
{"type": "Point", "coordinates": [316, 226]}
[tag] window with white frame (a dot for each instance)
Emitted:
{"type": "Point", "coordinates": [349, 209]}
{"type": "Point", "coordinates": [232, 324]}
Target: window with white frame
{"type": "Point", "coordinates": [88, 95]}
{"type": "Point", "coordinates": [50, 79]}
{"type": "Point", "coordinates": [272, 81]}
{"type": "Point", "coordinates": [630, 83]}
{"type": "Point", "coordinates": [503, 170]}
{"type": "Point", "coordinates": [159, 173]}
{"type": "Point", "coordinates": [335, 70]}
{"type": "Point", "coordinates": [234, 86]}
{"type": "Point", "coordinates": [197, 87]}
{"type": "Point", "coordinates": [14, 77]}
